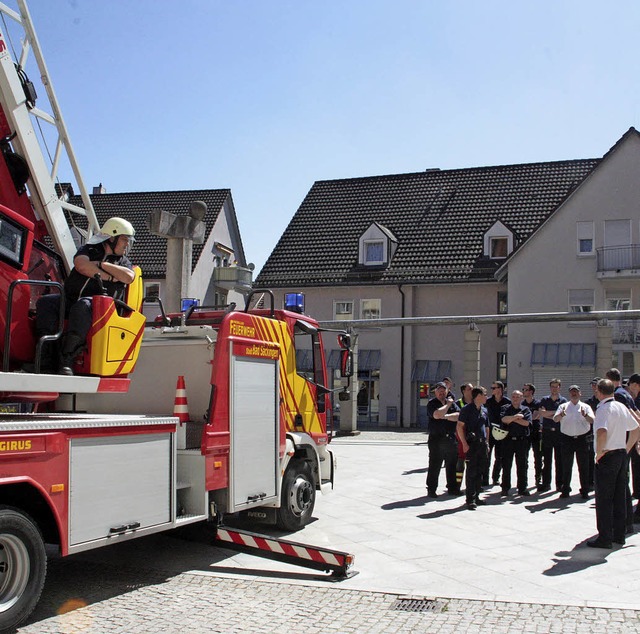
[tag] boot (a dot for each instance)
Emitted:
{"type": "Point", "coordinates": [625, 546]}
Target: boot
{"type": "Point", "coordinates": [71, 347]}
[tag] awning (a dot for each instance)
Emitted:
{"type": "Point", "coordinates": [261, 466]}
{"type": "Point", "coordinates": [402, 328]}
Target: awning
{"type": "Point", "coordinates": [563, 354]}
{"type": "Point", "coordinates": [368, 360]}
{"type": "Point", "coordinates": [430, 371]}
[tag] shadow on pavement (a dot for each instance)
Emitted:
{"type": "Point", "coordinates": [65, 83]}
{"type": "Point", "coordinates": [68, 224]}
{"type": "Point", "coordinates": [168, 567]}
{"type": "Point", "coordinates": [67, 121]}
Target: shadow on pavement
{"type": "Point", "coordinates": [554, 505]}
{"type": "Point", "coordinates": [445, 512]}
{"type": "Point", "coordinates": [412, 471]}
{"type": "Point", "coordinates": [403, 504]}
{"type": "Point", "coordinates": [579, 558]}
{"type": "Point", "coordinates": [83, 579]}
{"type": "Point", "coordinates": [273, 574]}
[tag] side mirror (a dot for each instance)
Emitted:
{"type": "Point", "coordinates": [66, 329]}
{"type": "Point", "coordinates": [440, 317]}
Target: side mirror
{"type": "Point", "coordinates": [344, 341]}
{"type": "Point", "coordinates": [346, 364]}
{"type": "Point", "coordinates": [344, 396]}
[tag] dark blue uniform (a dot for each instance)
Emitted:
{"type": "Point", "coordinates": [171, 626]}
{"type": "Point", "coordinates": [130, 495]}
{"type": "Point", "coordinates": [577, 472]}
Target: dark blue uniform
{"type": "Point", "coordinates": [515, 444]}
{"type": "Point", "coordinates": [551, 442]}
{"type": "Point", "coordinates": [535, 438]}
{"type": "Point", "coordinates": [493, 409]}
{"type": "Point", "coordinates": [622, 396]}
{"type": "Point", "coordinates": [442, 448]}
{"type": "Point", "coordinates": [476, 424]}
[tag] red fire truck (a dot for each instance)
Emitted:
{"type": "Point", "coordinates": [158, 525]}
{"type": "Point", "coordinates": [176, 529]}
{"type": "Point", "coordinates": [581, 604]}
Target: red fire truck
{"type": "Point", "coordinates": [80, 481]}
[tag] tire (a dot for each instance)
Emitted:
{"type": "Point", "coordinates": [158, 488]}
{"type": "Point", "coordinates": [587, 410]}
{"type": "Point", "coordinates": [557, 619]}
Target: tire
{"type": "Point", "coordinates": [298, 496]}
{"type": "Point", "coordinates": [23, 566]}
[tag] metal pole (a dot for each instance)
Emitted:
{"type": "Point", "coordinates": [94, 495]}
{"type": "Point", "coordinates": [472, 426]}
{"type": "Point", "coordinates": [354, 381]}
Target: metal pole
{"type": "Point", "coordinates": [468, 320]}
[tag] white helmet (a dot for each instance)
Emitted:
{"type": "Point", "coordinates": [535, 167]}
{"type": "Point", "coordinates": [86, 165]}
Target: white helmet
{"type": "Point", "coordinates": [498, 433]}
{"type": "Point", "coordinates": [118, 227]}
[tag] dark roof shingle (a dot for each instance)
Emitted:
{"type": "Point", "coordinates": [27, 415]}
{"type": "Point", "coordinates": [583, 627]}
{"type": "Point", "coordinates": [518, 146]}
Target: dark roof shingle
{"type": "Point", "coordinates": [438, 217]}
{"type": "Point", "coordinates": [150, 251]}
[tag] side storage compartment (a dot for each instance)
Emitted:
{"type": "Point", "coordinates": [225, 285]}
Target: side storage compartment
{"type": "Point", "coordinates": [120, 487]}
{"type": "Point", "coordinates": [254, 431]}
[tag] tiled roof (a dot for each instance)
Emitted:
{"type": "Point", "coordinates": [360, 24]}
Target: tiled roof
{"type": "Point", "coordinates": [438, 216]}
{"type": "Point", "coordinates": [150, 251]}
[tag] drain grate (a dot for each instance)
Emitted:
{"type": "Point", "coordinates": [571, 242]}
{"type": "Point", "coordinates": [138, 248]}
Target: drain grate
{"type": "Point", "coordinates": [413, 604]}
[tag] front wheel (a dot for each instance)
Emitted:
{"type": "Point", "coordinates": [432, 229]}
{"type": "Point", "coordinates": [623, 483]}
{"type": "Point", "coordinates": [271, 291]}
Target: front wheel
{"type": "Point", "coordinates": [298, 496]}
{"type": "Point", "coordinates": [23, 566]}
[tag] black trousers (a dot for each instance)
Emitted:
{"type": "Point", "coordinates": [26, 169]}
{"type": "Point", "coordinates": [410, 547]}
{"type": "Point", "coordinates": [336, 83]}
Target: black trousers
{"type": "Point", "coordinates": [518, 448]}
{"type": "Point", "coordinates": [79, 315]}
{"type": "Point", "coordinates": [578, 446]}
{"type": "Point", "coordinates": [494, 445]}
{"type": "Point", "coordinates": [551, 438]}
{"type": "Point", "coordinates": [635, 473]}
{"type": "Point", "coordinates": [535, 441]}
{"type": "Point", "coordinates": [442, 449]}
{"type": "Point", "coordinates": [477, 462]}
{"type": "Point", "coordinates": [611, 483]}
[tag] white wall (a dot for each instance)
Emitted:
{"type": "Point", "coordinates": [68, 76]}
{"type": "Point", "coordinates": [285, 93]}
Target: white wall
{"type": "Point", "coordinates": [547, 266]}
{"type": "Point", "coordinates": [421, 343]}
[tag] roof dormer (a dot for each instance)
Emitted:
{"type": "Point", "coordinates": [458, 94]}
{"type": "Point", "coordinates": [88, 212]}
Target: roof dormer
{"type": "Point", "coordinates": [377, 246]}
{"type": "Point", "coordinates": [498, 241]}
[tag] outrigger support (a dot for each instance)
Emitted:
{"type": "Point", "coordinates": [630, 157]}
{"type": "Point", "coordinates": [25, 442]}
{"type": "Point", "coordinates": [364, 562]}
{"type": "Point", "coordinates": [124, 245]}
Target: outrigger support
{"type": "Point", "coordinates": [333, 561]}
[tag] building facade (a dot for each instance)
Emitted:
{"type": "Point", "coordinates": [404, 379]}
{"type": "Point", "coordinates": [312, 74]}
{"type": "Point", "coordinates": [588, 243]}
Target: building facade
{"type": "Point", "coordinates": [540, 237]}
{"type": "Point", "coordinates": [218, 273]}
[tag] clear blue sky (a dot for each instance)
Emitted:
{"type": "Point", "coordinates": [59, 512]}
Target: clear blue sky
{"type": "Point", "coordinates": [267, 96]}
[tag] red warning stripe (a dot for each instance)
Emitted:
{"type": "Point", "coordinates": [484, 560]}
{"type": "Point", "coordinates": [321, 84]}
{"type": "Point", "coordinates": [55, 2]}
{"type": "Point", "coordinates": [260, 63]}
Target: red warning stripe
{"type": "Point", "coordinates": [300, 551]}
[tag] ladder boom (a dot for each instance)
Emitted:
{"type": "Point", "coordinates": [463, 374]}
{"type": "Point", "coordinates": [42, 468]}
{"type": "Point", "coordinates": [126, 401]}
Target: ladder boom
{"type": "Point", "coordinates": [19, 114]}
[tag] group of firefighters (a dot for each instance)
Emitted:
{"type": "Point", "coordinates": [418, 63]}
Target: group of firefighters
{"type": "Point", "coordinates": [464, 432]}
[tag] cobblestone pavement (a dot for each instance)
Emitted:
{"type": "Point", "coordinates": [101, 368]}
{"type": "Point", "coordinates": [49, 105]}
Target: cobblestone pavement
{"type": "Point", "coordinates": [147, 602]}
{"type": "Point", "coordinates": [164, 583]}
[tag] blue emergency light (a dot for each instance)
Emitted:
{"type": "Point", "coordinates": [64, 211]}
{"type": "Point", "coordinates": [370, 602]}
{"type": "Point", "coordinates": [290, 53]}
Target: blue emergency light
{"type": "Point", "coordinates": [294, 302]}
{"type": "Point", "coordinates": [187, 302]}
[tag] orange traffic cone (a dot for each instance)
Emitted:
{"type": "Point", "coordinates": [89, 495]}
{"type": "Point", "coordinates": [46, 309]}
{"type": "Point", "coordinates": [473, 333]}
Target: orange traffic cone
{"type": "Point", "coordinates": [180, 407]}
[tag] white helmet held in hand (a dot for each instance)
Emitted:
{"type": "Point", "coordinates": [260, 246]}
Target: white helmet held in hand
{"type": "Point", "coordinates": [498, 433]}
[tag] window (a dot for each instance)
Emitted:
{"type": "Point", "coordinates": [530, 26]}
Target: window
{"type": "Point", "coordinates": [499, 247]}
{"type": "Point", "coordinates": [502, 310]}
{"type": "Point", "coordinates": [618, 303]}
{"type": "Point", "coordinates": [501, 367]}
{"type": "Point", "coordinates": [342, 310]}
{"type": "Point", "coordinates": [373, 252]}
{"type": "Point", "coordinates": [585, 237]}
{"type": "Point", "coordinates": [370, 308]}
{"type": "Point", "coordinates": [624, 330]}
{"type": "Point", "coordinates": [309, 361]}
{"type": "Point", "coordinates": [376, 246]}
{"type": "Point", "coordinates": [11, 242]}
{"type": "Point", "coordinates": [152, 289]}
{"type": "Point", "coordinates": [581, 300]}
{"type": "Point", "coordinates": [498, 241]}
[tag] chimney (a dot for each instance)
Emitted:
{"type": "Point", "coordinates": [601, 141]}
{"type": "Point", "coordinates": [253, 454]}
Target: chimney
{"type": "Point", "coordinates": [99, 190]}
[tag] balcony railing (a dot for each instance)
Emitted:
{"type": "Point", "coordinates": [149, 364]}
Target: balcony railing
{"type": "Point", "coordinates": [618, 258]}
{"type": "Point", "coordinates": [626, 331]}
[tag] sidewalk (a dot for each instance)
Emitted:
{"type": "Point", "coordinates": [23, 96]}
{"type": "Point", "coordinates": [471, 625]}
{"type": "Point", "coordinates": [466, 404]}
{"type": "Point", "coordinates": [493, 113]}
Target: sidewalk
{"type": "Point", "coordinates": [519, 565]}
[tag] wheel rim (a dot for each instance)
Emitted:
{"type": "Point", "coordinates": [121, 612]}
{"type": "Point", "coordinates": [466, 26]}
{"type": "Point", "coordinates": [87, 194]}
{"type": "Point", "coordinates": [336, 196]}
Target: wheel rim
{"type": "Point", "coordinates": [300, 495]}
{"type": "Point", "coordinates": [14, 570]}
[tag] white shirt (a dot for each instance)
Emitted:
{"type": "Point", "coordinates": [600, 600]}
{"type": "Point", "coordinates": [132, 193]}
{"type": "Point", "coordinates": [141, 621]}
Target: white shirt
{"type": "Point", "coordinates": [573, 423]}
{"type": "Point", "coordinates": [617, 420]}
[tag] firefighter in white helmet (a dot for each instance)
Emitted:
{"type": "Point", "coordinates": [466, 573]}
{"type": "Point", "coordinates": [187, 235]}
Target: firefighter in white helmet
{"type": "Point", "coordinates": [104, 255]}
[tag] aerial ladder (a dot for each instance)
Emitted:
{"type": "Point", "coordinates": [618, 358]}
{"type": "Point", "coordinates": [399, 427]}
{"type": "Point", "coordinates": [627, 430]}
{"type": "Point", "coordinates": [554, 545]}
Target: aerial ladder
{"type": "Point", "coordinates": [18, 104]}
{"type": "Point", "coordinates": [35, 209]}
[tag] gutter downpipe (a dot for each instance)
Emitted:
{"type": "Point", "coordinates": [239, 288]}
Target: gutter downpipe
{"type": "Point", "coordinates": [401, 412]}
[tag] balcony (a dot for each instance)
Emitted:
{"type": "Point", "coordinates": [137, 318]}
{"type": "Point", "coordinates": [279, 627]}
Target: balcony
{"type": "Point", "coordinates": [233, 278]}
{"type": "Point", "coordinates": [619, 262]}
{"type": "Point", "coordinates": [626, 331]}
